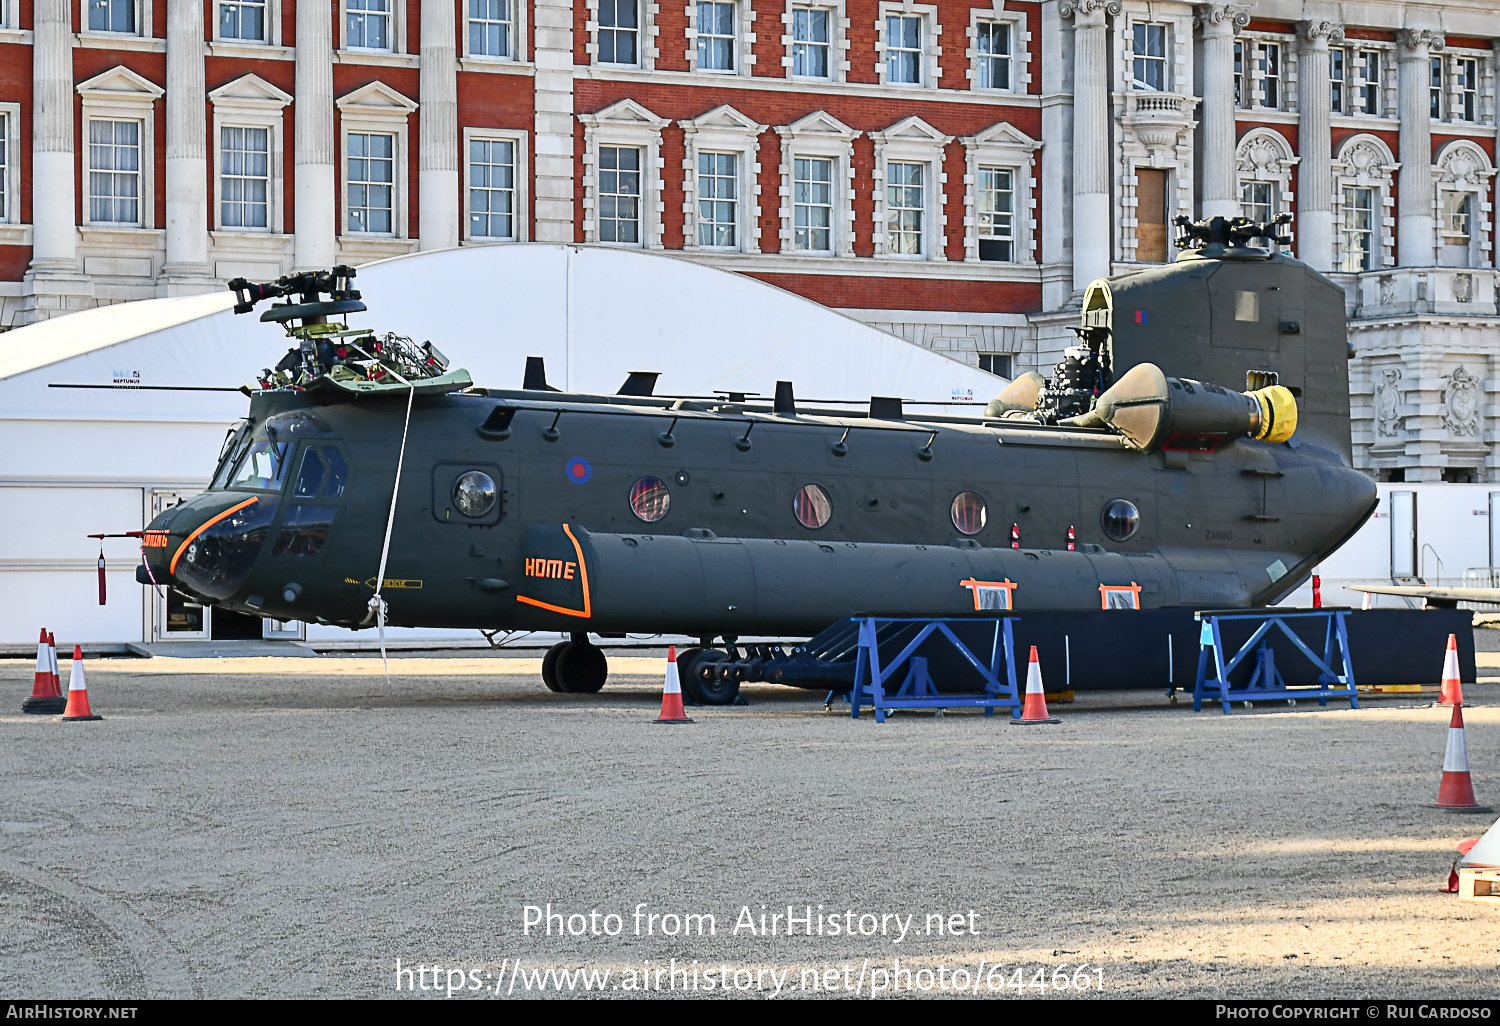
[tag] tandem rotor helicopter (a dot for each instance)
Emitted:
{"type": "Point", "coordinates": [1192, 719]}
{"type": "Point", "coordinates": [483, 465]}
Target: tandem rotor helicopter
{"type": "Point", "coordinates": [371, 483]}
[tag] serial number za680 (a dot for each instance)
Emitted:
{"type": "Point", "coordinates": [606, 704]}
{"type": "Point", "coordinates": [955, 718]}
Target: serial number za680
{"type": "Point", "coordinates": [1021, 979]}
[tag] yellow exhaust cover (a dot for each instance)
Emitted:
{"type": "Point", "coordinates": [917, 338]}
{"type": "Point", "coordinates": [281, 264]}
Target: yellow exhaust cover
{"type": "Point", "coordinates": [1278, 413]}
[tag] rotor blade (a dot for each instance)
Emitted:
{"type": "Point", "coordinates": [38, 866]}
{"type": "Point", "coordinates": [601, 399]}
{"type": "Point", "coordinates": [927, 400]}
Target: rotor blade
{"type": "Point", "coordinates": [154, 388]}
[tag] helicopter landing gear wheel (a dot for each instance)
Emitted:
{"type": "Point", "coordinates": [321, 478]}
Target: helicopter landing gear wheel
{"type": "Point", "coordinates": [581, 668]}
{"type": "Point", "coordinates": [549, 666]}
{"type": "Point", "coordinates": [702, 680]}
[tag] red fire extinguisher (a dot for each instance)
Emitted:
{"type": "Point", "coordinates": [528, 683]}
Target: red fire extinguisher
{"type": "Point", "coordinates": [1072, 540]}
{"type": "Point", "coordinates": [1317, 592]}
{"type": "Point", "coordinates": [1015, 536]}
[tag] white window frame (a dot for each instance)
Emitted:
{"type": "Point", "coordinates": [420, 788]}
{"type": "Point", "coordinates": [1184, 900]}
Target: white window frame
{"type": "Point", "coordinates": [1169, 38]}
{"type": "Point", "coordinates": [1462, 166]}
{"type": "Point", "coordinates": [397, 30]}
{"type": "Point", "coordinates": [1020, 47]}
{"type": "Point", "coordinates": [743, 46]}
{"type": "Point", "coordinates": [376, 108]}
{"type": "Point", "coordinates": [1252, 77]}
{"type": "Point", "coordinates": [143, 21]}
{"type": "Point", "coordinates": [1358, 65]}
{"type": "Point", "coordinates": [913, 141]}
{"type": "Point", "coordinates": [1364, 161]}
{"type": "Point", "coordinates": [1264, 155]}
{"type": "Point", "coordinates": [120, 94]}
{"type": "Point", "coordinates": [723, 130]}
{"type": "Point", "coordinates": [521, 140]}
{"type": "Point", "coordinates": [929, 67]}
{"type": "Point", "coordinates": [10, 171]}
{"type": "Point", "coordinates": [1262, 48]}
{"type": "Point", "coordinates": [272, 26]}
{"type": "Point", "coordinates": [823, 136]}
{"type": "Point", "coordinates": [517, 36]}
{"type": "Point", "coordinates": [646, 32]}
{"type": "Point", "coordinates": [250, 101]}
{"type": "Point", "coordinates": [625, 123]}
{"type": "Point", "coordinates": [838, 41]}
{"type": "Point", "coordinates": [1002, 145]}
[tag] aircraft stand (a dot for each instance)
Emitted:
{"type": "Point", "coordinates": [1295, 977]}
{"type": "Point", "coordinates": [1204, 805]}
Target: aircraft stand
{"type": "Point", "coordinates": [1266, 682]}
{"type": "Point", "coordinates": [917, 690]}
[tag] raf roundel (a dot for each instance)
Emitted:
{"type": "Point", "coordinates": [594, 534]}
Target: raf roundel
{"type": "Point", "coordinates": [578, 470]}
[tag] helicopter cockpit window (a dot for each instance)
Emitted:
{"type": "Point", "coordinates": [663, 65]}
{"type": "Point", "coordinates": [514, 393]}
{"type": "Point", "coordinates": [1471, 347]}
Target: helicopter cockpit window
{"type": "Point", "coordinates": [236, 441]}
{"type": "Point", "coordinates": [338, 473]}
{"type": "Point", "coordinates": [262, 467]}
{"type": "Point", "coordinates": [304, 531]}
{"type": "Point", "coordinates": [310, 477]}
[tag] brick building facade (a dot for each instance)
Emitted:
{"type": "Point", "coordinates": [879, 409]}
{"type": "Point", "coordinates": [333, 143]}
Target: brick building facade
{"type": "Point", "coordinates": [953, 171]}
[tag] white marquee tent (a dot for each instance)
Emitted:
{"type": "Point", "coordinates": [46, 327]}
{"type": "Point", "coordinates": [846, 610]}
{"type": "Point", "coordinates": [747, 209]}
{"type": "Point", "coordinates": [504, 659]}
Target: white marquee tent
{"type": "Point", "coordinates": [78, 462]}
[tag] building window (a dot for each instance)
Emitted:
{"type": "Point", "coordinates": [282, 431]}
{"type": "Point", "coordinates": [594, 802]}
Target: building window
{"type": "Point", "coordinates": [369, 24]}
{"type": "Point", "coordinates": [1258, 201]}
{"type": "Point", "coordinates": [619, 29]}
{"type": "Point", "coordinates": [810, 42]}
{"type": "Point", "coordinates": [905, 204]}
{"type": "Point", "coordinates": [1336, 80]}
{"type": "Point", "coordinates": [244, 177]}
{"type": "Point", "coordinates": [1149, 45]}
{"type": "Point", "coordinates": [715, 36]}
{"type": "Point", "coordinates": [992, 40]}
{"type": "Point", "coordinates": [620, 194]}
{"type": "Point", "coordinates": [997, 214]}
{"type": "Point", "coordinates": [996, 363]}
{"type": "Point", "coordinates": [490, 28]}
{"type": "Point", "coordinates": [371, 182]}
{"type": "Point", "coordinates": [111, 15]}
{"type": "Point", "coordinates": [492, 189]}
{"type": "Point", "coordinates": [903, 49]}
{"type": "Point", "coordinates": [244, 20]}
{"type": "Point", "coordinates": [812, 205]}
{"type": "Point", "coordinates": [1369, 83]}
{"type": "Point", "coordinates": [114, 172]}
{"type": "Point", "coordinates": [1435, 88]}
{"type": "Point", "coordinates": [1457, 228]}
{"type": "Point", "coordinates": [1466, 73]}
{"type": "Point", "coordinates": [1239, 73]}
{"type": "Point", "coordinates": [718, 200]}
{"type": "Point", "coordinates": [5, 168]}
{"type": "Point", "coordinates": [1359, 229]}
{"type": "Point", "coordinates": [1268, 61]}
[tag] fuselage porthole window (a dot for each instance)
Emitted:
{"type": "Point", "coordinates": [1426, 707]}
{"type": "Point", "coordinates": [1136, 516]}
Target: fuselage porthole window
{"type": "Point", "coordinates": [969, 513]}
{"type": "Point", "coordinates": [1120, 519]}
{"type": "Point", "coordinates": [474, 493]}
{"type": "Point", "coordinates": [812, 506]}
{"type": "Point", "coordinates": [650, 499]}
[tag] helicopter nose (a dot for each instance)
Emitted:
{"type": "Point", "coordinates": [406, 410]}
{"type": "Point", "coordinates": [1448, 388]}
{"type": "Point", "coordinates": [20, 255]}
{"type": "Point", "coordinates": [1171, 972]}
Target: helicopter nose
{"type": "Point", "coordinates": [208, 546]}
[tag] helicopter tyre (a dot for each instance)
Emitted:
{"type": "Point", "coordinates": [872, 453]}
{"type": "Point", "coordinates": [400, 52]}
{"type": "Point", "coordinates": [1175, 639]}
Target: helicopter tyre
{"type": "Point", "coordinates": [715, 690]}
{"type": "Point", "coordinates": [549, 666]}
{"type": "Point", "coordinates": [581, 668]}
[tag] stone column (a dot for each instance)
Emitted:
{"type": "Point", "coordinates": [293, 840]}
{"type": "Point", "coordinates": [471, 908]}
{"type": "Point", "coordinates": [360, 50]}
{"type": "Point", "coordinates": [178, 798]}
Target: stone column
{"type": "Point", "coordinates": [54, 231]}
{"type": "Point", "coordinates": [1219, 23]}
{"type": "Point", "coordinates": [1314, 225]}
{"type": "Point", "coordinates": [314, 243]}
{"type": "Point", "coordinates": [553, 172]}
{"type": "Point", "coordinates": [1056, 220]}
{"type": "Point", "coordinates": [1415, 232]}
{"type": "Point", "coordinates": [438, 210]}
{"type": "Point", "coordinates": [1091, 67]}
{"type": "Point", "coordinates": [186, 267]}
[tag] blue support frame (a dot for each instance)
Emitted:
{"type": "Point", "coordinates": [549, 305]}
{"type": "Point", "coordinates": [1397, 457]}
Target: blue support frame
{"type": "Point", "coordinates": [917, 690]}
{"type": "Point", "coordinates": [1266, 682]}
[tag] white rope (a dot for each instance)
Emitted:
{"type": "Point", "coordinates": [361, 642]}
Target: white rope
{"type": "Point", "coordinates": [377, 603]}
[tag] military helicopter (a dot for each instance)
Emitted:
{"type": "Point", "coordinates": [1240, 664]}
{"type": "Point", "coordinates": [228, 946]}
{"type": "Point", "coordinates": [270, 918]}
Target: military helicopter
{"type": "Point", "coordinates": [372, 484]}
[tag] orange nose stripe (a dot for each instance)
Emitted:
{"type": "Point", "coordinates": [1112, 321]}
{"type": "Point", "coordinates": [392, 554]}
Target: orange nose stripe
{"type": "Point", "coordinates": [172, 568]}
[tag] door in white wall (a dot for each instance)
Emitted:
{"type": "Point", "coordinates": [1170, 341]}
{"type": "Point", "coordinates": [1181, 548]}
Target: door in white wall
{"type": "Point", "coordinates": [1403, 535]}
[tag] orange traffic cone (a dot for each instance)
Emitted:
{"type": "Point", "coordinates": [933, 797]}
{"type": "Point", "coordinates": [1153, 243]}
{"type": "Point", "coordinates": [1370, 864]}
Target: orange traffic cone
{"type": "Point", "coordinates": [78, 691]}
{"type": "Point", "coordinates": [1456, 792]}
{"type": "Point", "coordinates": [671, 693]}
{"type": "Point", "coordinates": [1452, 691]}
{"type": "Point", "coordinates": [52, 661]}
{"type": "Point", "coordinates": [46, 698]}
{"type": "Point", "coordinates": [1035, 709]}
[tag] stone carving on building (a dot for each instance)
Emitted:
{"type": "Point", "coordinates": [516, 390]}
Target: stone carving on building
{"type": "Point", "coordinates": [1329, 30]}
{"type": "Point", "coordinates": [1237, 15]}
{"type": "Point", "coordinates": [1463, 288]}
{"type": "Point", "coordinates": [1418, 39]}
{"type": "Point", "coordinates": [1068, 8]}
{"type": "Point", "coordinates": [1462, 393]}
{"type": "Point", "coordinates": [1388, 402]}
{"type": "Point", "coordinates": [1387, 289]}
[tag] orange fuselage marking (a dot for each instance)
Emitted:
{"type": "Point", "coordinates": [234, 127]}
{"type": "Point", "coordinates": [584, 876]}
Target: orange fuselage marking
{"type": "Point", "coordinates": [583, 575]}
{"type": "Point", "coordinates": [172, 568]}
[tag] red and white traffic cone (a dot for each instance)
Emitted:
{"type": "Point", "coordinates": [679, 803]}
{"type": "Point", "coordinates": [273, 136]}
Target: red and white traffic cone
{"type": "Point", "coordinates": [52, 658]}
{"type": "Point", "coordinates": [46, 698]}
{"type": "Point", "coordinates": [78, 691]}
{"type": "Point", "coordinates": [1452, 691]}
{"type": "Point", "coordinates": [671, 693]}
{"type": "Point", "coordinates": [1456, 792]}
{"type": "Point", "coordinates": [1035, 709]}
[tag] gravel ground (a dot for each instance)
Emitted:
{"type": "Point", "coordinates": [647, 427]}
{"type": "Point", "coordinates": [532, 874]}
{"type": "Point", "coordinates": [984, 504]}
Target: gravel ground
{"type": "Point", "coordinates": [267, 827]}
